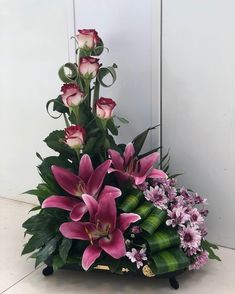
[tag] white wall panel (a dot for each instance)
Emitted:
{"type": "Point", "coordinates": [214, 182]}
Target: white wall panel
{"type": "Point", "coordinates": [34, 43]}
{"type": "Point", "coordinates": [199, 103]}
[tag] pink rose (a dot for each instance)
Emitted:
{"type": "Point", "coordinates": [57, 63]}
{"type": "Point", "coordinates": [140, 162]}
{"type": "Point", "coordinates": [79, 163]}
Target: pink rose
{"type": "Point", "coordinates": [88, 67]}
{"type": "Point", "coordinates": [75, 136]}
{"type": "Point", "coordinates": [104, 108]}
{"type": "Point", "coordinates": [87, 38]}
{"type": "Point", "coordinates": [72, 95]}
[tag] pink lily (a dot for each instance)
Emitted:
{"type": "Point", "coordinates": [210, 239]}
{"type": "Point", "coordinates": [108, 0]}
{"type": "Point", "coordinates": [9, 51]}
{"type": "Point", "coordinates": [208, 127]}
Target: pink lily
{"type": "Point", "coordinates": [88, 181]}
{"type": "Point", "coordinates": [129, 167]}
{"type": "Point", "coordinates": [104, 230]}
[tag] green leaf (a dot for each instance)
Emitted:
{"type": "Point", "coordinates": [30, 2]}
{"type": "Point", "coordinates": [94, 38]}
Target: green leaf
{"type": "Point", "coordinates": [46, 251]}
{"type": "Point", "coordinates": [131, 201]}
{"type": "Point", "coordinates": [99, 48]}
{"type": "Point", "coordinates": [139, 140]}
{"type": "Point", "coordinates": [55, 141]}
{"type": "Point", "coordinates": [39, 156]}
{"type": "Point", "coordinates": [122, 119]}
{"type": "Point", "coordinates": [144, 209]}
{"type": "Point", "coordinates": [111, 126]}
{"type": "Point", "coordinates": [209, 248]}
{"type": "Point", "coordinates": [149, 152]}
{"type": "Point", "coordinates": [154, 220]}
{"type": "Point", "coordinates": [68, 77]}
{"type": "Point", "coordinates": [59, 105]}
{"type": "Point", "coordinates": [35, 208]}
{"type": "Point", "coordinates": [57, 262]}
{"type": "Point", "coordinates": [64, 248]}
{"type": "Point", "coordinates": [36, 241]}
{"type": "Point", "coordinates": [169, 261]}
{"type": "Point", "coordinates": [103, 72]}
{"type": "Point", "coordinates": [47, 108]}
{"type": "Point", "coordinates": [163, 238]}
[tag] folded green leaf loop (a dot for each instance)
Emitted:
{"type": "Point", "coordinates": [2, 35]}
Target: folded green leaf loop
{"type": "Point", "coordinates": [103, 72]}
{"type": "Point", "coordinates": [169, 261]}
{"type": "Point", "coordinates": [68, 77]}
{"type": "Point", "coordinates": [144, 209]}
{"type": "Point", "coordinates": [163, 238]}
{"type": "Point", "coordinates": [154, 220]}
{"type": "Point", "coordinates": [131, 202]}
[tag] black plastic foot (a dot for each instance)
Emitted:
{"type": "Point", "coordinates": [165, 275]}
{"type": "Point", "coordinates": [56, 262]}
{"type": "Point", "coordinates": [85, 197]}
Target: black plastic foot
{"type": "Point", "coordinates": [47, 271]}
{"type": "Point", "coordinates": [174, 283]}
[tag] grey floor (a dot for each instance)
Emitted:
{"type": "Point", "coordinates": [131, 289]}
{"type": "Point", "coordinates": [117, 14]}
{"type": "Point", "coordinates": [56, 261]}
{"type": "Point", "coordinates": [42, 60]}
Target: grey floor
{"type": "Point", "coordinates": [17, 274]}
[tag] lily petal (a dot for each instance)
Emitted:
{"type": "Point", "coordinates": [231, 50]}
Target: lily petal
{"type": "Point", "coordinates": [97, 178]}
{"type": "Point", "coordinates": [147, 162]}
{"type": "Point", "coordinates": [90, 255]}
{"type": "Point", "coordinates": [125, 219]}
{"type": "Point", "coordinates": [107, 213]}
{"type": "Point", "coordinates": [117, 159]}
{"type": "Point", "coordinates": [85, 168]}
{"type": "Point", "coordinates": [114, 245]}
{"type": "Point", "coordinates": [91, 204]}
{"type": "Point", "coordinates": [109, 192]}
{"type": "Point", "coordinates": [63, 202]}
{"type": "Point", "coordinates": [121, 175]}
{"type": "Point", "coordinates": [139, 180]}
{"type": "Point", "coordinates": [157, 173]}
{"type": "Point", "coordinates": [76, 230]}
{"type": "Point", "coordinates": [129, 153]}
{"type": "Point", "coordinates": [66, 179]}
{"type": "Point", "coordinates": [78, 211]}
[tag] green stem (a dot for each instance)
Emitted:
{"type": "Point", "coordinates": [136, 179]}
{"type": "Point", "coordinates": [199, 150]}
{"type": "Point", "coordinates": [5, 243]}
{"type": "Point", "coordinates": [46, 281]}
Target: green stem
{"type": "Point", "coordinates": [87, 92]}
{"type": "Point", "coordinates": [66, 120]}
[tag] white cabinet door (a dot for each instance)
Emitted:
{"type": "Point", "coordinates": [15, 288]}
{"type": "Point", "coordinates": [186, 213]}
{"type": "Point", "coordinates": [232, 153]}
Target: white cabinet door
{"type": "Point", "coordinates": [199, 103]}
{"type": "Point", "coordinates": [130, 29]}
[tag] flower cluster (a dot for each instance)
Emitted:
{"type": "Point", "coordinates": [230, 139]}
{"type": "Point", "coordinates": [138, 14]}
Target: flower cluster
{"type": "Point", "coordinates": [185, 212]}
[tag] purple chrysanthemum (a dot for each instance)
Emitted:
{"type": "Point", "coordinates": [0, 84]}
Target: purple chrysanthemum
{"type": "Point", "coordinates": [195, 217]}
{"type": "Point", "coordinates": [137, 256]}
{"type": "Point", "coordinates": [190, 238]}
{"type": "Point", "coordinates": [177, 216]}
{"type": "Point", "coordinates": [200, 261]}
{"type": "Point", "coordinates": [157, 196]}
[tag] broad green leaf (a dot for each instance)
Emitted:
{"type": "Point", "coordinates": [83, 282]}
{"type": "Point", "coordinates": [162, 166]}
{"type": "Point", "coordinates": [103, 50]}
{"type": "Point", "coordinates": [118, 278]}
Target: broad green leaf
{"type": "Point", "coordinates": [131, 201]}
{"type": "Point", "coordinates": [209, 248]}
{"type": "Point", "coordinates": [169, 261]}
{"type": "Point", "coordinates": [139, 140]}
{"type": "Point", "coordinates": [122, 119]}
{"type": "Point", "coordinates": [59, 105]}
{"type": "Point", "coordinates": [154, 220]}
{"type": "Point", "coordinates": [36, 241]}
{"type": "Point", "coordinates": [68, 73]}
{"type": "Point", "coordinates": [163, 238]}
{"type": "Point", "coordinates": [111, 126]}
{"type": "Point", "coordinates": [64, 248]}
{"type": "Point", "coordinates": [46, 251]}
{"type": "Point", "coordinates": [144, 209]}
{"type": "Point", "coordinates": [57, 262]}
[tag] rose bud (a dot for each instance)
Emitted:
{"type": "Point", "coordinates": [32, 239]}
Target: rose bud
{"type": "Point", "coordinates": [104, 108]}
{"type": "Point", "coordinates": [75, 136]}
{"type": "Point", "coordinates": [72, 95]}
{"type": "Point", "coordinates": [88, 67]}
{"type": "Point", "coordinates": [87, 39]}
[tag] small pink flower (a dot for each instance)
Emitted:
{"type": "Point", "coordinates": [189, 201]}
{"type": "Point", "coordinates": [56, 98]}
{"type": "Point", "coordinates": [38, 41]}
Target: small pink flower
{"type": "Point", "coordinates": [72, 95]}
{"type": "Point", "coordinates": [87, 38]}
{"type": "Point", "coordinates": [177, 216]}
{"type": "Point", "coordinates": [104, 108]}
{"type": "Point", "coordinates": [75, 136]}
{"type": "Point", "coordinates": [190, 239]}
{"type": "Point", "coordinates": [88, 67]}
{"type": "Point", "coordinates": [195, 216]}
{"type": "Point", "coordinates": [200, 261]}
{"type": "Point", "coordinates": [157, 196]}
{"type": "Point", "coordinates": [136, 230]}
{"type": "Point", "coordinates": [137, 256]}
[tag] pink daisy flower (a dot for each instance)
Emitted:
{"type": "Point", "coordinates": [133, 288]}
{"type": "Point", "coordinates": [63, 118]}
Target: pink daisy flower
{"type": "Point", "coordinates": [157, 196]}
{"type": "Point", "coordinates": [195, 217]}
{"type": "Point", "coordinates": [177, 216]}
{"type": "Point", "coordinates": [190, 239]}
{"type": "Point", "coordinates": [200, 261]}
{"type": "Point", "coordinates": [137, 256]}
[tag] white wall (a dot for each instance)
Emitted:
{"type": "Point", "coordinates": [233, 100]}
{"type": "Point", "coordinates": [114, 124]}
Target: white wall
{"type": "Point", "coordinates": [130, 29]}
{"type": "Point", "coordinates": [34, 43]}
{"type": "Point", "coordinates": [199, 104]}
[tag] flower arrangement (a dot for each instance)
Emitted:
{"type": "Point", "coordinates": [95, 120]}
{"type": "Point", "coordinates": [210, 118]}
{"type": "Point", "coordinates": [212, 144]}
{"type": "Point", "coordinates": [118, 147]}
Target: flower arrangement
{"type": "Point", "coordinates": [103, 203]}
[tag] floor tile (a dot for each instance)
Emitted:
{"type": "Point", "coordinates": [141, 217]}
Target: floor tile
{"type": "Point", "coordinates": [13, 266]}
